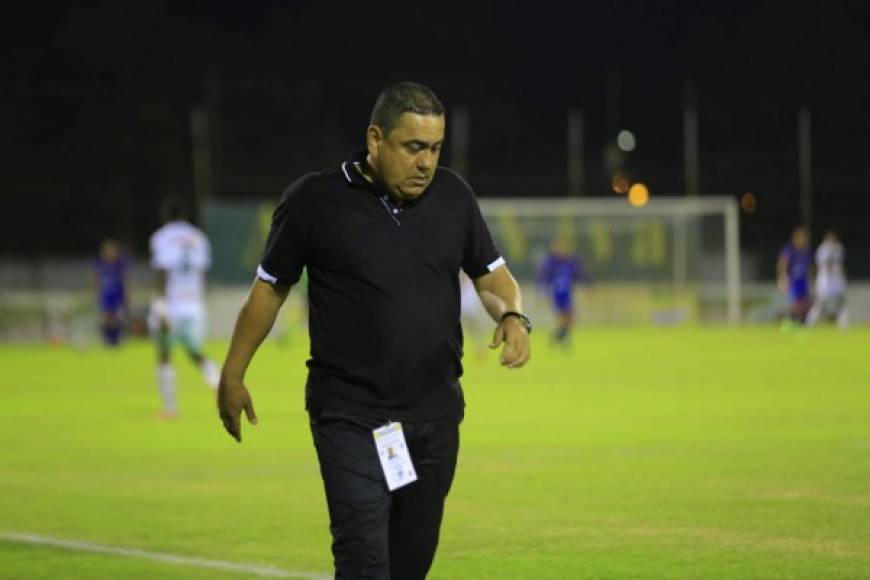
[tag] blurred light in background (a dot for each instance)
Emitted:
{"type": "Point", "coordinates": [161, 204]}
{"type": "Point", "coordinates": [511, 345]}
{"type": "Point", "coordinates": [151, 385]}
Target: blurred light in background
{"type": "Point", "coordinates": [638, 195]}
{"type": "Point", "coordinates": [748, 202]}
{"type": "Point", "coordinates": [626, 141]}
{"type": "Point", "coordinates": [620, 183]}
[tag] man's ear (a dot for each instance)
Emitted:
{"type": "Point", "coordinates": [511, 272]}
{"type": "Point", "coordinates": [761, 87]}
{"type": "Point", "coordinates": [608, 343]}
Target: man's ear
{"type": "Point", "coordinates": [374, 137]}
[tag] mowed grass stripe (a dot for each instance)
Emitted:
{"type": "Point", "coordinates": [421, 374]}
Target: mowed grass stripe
{"type": "Point", "coordinates": [642, 453]}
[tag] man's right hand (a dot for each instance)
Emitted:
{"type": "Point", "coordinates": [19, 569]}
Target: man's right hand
{"type": "Point", "coordinates": [252, 325]}
{"type": "Point", "coordinates": [232, 398]}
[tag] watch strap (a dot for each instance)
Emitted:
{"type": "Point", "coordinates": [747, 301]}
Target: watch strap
{"type": "Point", "coordinates": [527, 324]}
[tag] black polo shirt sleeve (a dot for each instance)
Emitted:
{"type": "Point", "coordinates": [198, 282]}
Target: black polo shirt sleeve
{"type": "Point", "coordinates": [480, 255]}
{"type": "Point", "coordinates": [285, 253]}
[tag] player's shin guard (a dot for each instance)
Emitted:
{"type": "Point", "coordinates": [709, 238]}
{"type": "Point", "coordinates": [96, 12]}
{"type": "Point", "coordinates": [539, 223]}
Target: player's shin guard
{"type": "Point", "coordinates": [166, 384]}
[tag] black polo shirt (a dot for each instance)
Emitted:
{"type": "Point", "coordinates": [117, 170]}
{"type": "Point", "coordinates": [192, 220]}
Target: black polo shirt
{"type": "Point", "coordinates": [383, 287]}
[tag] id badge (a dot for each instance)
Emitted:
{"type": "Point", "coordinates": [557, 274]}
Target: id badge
{"type": "Point", "coordinates": [394, 455]}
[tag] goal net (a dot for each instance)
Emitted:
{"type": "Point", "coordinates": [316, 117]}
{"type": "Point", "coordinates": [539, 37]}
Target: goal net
{"type": "Point", "coordinates": [674, 260]}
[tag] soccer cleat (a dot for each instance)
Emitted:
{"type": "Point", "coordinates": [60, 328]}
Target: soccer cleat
{"type": "Point", "coordinates": [167, 415]}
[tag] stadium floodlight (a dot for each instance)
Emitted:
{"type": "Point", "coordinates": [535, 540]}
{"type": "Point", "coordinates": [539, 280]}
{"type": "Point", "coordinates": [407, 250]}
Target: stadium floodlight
{"type": "Point", "coordinates": [626, 141]}
{"type": "Point", "coordinates": [638, 195]}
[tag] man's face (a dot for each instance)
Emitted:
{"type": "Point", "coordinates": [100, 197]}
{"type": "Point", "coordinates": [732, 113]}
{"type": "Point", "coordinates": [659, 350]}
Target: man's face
{"type": "Point", "coordinates": [561, 247]}
{"type": "Point", "coordinates": [110, 251]}
{"type": "Point", "coordinates": [800, 238]}
{"type": "Point", "coordinates": [406, 158]}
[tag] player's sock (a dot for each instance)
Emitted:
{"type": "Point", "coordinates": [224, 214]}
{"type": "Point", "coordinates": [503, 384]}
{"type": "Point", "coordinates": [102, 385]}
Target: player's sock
{"type": "Point", "coordinates": [814, 314]}
{"type": "Point", "coordinates": [843, 319]}
{"type": "Point", "coordinates": [166, 383]}
{"type": "Point", "coordinates": [211, 373]}
{"type": "Point", "coordinates": [113, 334]}
{"type": "Point", "coordinates": [104, 331]}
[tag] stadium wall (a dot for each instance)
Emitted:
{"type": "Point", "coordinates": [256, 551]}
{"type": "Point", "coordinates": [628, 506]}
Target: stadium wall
{"type": "Point", "coordinates": [53, 300]}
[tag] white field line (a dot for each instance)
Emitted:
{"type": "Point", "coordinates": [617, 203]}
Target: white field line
{"type": "Point", "coordinates": [77, 546]}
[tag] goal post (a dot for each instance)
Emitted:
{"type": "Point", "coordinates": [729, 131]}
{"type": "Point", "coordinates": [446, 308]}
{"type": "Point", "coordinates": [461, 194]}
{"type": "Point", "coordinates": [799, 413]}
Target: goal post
{"type": "Point", "coordinates": [674, 260]}
{"type": "Point", "coordinates": [670, 260]}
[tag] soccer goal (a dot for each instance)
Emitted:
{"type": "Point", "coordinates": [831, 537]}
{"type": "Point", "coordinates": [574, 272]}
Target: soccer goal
{"type": "Point", "coordinates": [673, 260]}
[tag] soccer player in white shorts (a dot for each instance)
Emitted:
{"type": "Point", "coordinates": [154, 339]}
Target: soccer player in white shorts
{"type": "Point", "coordinates": [180, 254]}
{"type": "Point", "coordinates": [830, 296]}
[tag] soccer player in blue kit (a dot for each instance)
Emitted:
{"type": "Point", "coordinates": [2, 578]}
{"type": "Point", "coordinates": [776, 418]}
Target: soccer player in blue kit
{"type": "Point", "coordinates": [110, 280]}
{"type": "Point", "coordinates": [794, 272]}
{"type": "Point", "coordinates": [558, 274]}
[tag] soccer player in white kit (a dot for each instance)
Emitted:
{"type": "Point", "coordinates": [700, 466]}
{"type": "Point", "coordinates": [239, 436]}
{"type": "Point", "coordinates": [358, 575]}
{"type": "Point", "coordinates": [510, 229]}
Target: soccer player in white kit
{"type": "Point", "coordinates": [830, 295]}
{"type": "Point", "coordinates": [180, 254]}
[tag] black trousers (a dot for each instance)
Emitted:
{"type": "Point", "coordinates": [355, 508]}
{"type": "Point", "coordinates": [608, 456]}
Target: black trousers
{"type": "Point", "coordinates": [376, 534]}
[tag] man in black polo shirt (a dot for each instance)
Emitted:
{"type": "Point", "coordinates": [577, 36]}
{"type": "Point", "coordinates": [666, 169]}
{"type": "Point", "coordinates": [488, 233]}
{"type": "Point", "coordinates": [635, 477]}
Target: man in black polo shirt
{"type": "Point", "coordinates": [383, 236]}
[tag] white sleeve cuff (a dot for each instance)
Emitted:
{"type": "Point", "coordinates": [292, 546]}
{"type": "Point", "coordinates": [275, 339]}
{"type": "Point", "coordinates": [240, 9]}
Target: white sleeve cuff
{"type": "Point", "coordinates": [499, 262]}
{"type": "Point", "coordinates": [265, 276]}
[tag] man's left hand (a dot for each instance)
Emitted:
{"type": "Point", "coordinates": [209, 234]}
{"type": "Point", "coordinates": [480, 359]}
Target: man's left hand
{"type": "Point", "coordinates": [513, 334]}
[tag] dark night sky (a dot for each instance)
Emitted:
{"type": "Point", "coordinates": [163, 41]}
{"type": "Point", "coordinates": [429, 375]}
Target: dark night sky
{"type": "Point", "coordinates": [96, 105]}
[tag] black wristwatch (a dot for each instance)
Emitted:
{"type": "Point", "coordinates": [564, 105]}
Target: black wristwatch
{"type": "Point", "coordinates": [527, 324]}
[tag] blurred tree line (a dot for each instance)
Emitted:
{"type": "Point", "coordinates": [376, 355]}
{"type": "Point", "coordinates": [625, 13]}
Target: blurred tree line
{"type": "Point", "coordinates": [97, 128]}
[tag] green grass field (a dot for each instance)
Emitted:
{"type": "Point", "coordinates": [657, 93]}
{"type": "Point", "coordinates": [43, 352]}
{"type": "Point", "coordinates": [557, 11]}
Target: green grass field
{"type": "Point", "coordinates": [645, 453]}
